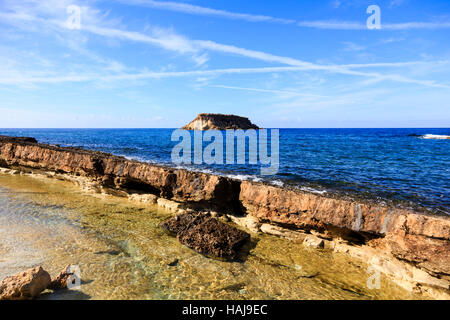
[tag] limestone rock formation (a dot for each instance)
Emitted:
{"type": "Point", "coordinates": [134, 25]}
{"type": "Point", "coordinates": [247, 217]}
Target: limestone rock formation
{"type": "Point", "coordinates": [210, 121]}
{"type": "Point", "coordinates": [113, 173]}
{"type": "Point", "coordinates": [25, 285]}
{"type": "Point", "coordinates": [207, 235]}
{"type": "Point", "coordinates": [420, 239]}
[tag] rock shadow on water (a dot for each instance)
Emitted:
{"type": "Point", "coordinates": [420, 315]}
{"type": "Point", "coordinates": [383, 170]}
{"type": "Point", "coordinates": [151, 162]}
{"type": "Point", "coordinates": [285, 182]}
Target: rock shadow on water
{"type": "Point", "coordinates": [245, 251]}
{"type": "Point", "coordinates": [64, 295]}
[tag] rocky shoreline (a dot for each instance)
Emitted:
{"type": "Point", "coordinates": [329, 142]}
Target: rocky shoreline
{"type": "Point", "coordinates": [410, 247]}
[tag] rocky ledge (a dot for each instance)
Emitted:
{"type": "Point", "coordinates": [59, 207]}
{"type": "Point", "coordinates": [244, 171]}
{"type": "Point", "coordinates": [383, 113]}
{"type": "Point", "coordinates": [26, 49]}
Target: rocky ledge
{"type": "Point", "coordinates": [409, 246]}
{"type": "Point", "coordinates": [210, 121]}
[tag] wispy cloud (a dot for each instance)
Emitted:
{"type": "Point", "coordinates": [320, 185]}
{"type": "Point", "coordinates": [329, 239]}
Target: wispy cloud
{"type": "Point", "coordinates": [182, 44]}
{"type": "Point", "coordinates": [351, 46]}
{"type": "Point", "coordinates": [169, 40]}
{"type": "Point", "coordinates": [415, 25]}
{"type": "Point", "coordinates": [14, 77]}
{"type": "Point", "coordinates": [17, 78]}
{"type": "Point", "coordinates": [318, 24]}
{"type": "Point", "coordinates": [198, 10]}
{"type": "Point", "coordinates": [281, 92]}
{"type": "Point", "coordinates": [332, 24]}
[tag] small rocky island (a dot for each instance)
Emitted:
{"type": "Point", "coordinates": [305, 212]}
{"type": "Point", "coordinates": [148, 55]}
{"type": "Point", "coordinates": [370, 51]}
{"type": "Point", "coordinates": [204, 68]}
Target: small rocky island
{"type": "Point", "coordinates": [211, 121]}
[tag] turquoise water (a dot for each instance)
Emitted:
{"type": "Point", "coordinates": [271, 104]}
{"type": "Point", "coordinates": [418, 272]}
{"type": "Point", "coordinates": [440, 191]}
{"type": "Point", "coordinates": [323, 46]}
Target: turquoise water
{"type": "Point", "coordinates": [388, 165]}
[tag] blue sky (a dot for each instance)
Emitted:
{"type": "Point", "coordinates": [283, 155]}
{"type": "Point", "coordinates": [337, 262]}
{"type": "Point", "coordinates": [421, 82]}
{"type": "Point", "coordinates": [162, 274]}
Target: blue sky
{"type": "Point", "coordinates": [290, 63]}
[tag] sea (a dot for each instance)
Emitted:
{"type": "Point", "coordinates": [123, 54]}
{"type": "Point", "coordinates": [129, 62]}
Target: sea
{"type": "Point", "coordinates": [401, 167]}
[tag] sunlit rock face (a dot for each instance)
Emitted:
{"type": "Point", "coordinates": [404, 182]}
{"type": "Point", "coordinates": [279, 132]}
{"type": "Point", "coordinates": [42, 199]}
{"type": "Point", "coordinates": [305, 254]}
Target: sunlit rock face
{"type": "Point", "coordinates": [210, 121]}
{"type": "Point", "coordinates": [25, 285]}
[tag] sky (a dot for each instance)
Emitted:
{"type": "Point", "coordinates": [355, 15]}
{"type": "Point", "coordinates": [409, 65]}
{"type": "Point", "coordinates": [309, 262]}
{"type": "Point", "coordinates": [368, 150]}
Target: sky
{"type": "Point", "coordinates": [283, 64]}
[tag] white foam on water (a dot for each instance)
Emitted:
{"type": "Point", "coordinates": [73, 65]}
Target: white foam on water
{"type": "Point", "coordinates": [243, 177]}
{"type": "Point", "coordinates": [307, 189]}
{"type": "Point", "coordinates": [277, 183]}
{"type": "Point", "coordinates": [434, 136]}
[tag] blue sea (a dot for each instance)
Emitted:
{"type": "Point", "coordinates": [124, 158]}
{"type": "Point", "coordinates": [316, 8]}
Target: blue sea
{"type": "Point", "coordinates": [396, 166]}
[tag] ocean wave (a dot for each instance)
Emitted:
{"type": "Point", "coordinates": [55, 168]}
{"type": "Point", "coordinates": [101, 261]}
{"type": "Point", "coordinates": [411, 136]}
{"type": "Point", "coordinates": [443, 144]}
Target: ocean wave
{"type": "Point", "coordinates": [434, 136]}
{"type": "Point", "coordinates": [278, 183]}
{"type": "Point", "coordinates": [242, 177]}
{"type": "Point", "coordinates": [137, 158]}
{"type": "Point", "coordinates": [307, 189]}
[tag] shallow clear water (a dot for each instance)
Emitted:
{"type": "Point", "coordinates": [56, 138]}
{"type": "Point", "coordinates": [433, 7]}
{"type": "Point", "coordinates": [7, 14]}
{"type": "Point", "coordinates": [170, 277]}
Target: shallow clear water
{"type": "Point", "coordinates": [393, 165]}
{"type": "Point", "coordinates": [123, 253]}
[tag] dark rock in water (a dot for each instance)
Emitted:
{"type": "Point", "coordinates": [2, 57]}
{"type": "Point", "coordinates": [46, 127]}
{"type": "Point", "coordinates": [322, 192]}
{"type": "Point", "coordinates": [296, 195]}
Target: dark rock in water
{"type": "Point", "coordinates": [111, 252]}
{"type": "Point", "coordinates": [178, 223]}
{"type": "Point", "coordinates": [211, 121]}
{"type": "Point", "coordinates": [173, 263]}
{"type": "Point", "coordinates": [207, 235]}
{"type": "Point", "coordinates": [18, 139]}
{"type": "Point", "coordinates": [25, 285]}
{"type": "Point", "coordinates": [212, 237]}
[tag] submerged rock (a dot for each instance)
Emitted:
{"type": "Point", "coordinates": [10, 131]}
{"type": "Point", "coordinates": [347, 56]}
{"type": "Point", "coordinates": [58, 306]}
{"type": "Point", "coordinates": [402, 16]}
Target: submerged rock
{"type": "Point", "coordinates": [25, 285]}
{"type": "Point", "coordinates": [173, 263]}
{"type": "Point", "coordinates": [18, 139]}
{"type": "Point", "coordinates": [207, 235]}
{"type": "Point", "coordinates": [211, 121]}
{"type": "Point", "coordinates": [146, 198]}
{"type": "Point", "coordinates": [313, 242]}
{"type": "Point", "coordinates": [172, 206]}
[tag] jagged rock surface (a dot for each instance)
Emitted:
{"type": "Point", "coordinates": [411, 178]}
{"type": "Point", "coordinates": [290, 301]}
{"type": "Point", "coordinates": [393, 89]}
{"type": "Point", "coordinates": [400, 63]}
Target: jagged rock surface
{"type": "Point", "coordinates": [113, 172]}
{"type": "Point", "coordinates": [420, 239]}
{"type": "Point", "coordinates": [210, 121]}
{"type": "Point", "coordinates": [207, 235]}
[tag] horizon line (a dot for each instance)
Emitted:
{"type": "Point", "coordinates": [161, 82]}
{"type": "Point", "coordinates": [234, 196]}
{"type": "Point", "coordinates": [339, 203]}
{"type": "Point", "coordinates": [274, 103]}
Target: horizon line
{"type": "Point", "coordinates": [175, 128]}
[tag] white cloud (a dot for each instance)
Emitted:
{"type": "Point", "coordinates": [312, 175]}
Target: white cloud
{"type": "Point", "coordinates": [169, 40]}
{"type": "Point", "coordinates": [18, 78]}
{"type": "Point", "coordinates": [198, 10]}
{"type": "Point", "coordinates": [336, 4]}
{"type": "Point", "coordinates": [332, 24]}
{"type": "Point", "coordinates": [415, 25]}
{"type": "Point", "coordinates": [351, 46]}
{"type": "Point", "coordinates": [281, 92]}
{"type": "Point", "coordinates": [319, 24]}
{"type": "Point", "coordinates": [396, 3]}
{"type": "Point", "coordinates": [194, 45]}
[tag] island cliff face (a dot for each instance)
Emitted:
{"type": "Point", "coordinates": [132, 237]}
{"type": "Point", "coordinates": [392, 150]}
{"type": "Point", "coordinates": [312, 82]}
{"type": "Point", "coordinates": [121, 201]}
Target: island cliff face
{"type": "Point", "coordinates": [210, 121]}
{"type": "Point", "coordinates": [410, 246]}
